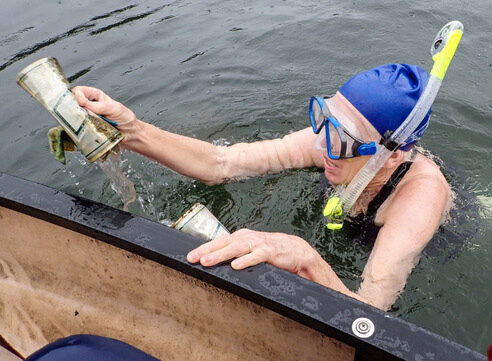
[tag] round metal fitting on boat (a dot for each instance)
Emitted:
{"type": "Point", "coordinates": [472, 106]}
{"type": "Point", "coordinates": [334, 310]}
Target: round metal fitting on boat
{"type": "Point", "coordinates": [363, 327]}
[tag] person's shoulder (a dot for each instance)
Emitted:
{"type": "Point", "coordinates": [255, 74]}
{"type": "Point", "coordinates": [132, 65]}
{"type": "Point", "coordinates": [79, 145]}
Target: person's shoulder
{"type": "Point", "coordinates": [424, 172]}
{"type": "Point", "coordinates": [423, 187]}
{"type": "Point", "coordinates": [421, 200]}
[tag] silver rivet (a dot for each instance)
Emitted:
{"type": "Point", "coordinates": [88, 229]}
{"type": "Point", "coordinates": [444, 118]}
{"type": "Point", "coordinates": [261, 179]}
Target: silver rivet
{"type": "Point", "coordinates": [363, 327]}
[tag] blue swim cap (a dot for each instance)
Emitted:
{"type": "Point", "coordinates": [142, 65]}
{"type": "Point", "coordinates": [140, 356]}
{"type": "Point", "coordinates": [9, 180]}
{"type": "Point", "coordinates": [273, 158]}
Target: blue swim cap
{"type": "Point", "coordinates": [386, 95]}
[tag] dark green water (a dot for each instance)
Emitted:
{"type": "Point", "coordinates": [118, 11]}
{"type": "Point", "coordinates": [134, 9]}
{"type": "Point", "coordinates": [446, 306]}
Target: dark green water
{"type": "Point", "coordinates": [230, 71]}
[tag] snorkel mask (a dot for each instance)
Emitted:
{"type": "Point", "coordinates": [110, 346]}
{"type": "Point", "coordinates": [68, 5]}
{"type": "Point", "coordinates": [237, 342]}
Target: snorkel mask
{"type": "Point", "coordinates": [340, 203]}
{"type": "Point", "coordinates": [339, 141]}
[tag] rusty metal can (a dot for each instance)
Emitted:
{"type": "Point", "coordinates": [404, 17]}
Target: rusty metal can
{"type": "Point", "coordinates": [45, 81]}
{"type": "Point", "coordinates": [200, 222]}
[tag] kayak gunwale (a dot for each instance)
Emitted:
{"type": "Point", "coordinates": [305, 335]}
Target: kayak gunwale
{"type": "Point", "coordinates": [301, 300]}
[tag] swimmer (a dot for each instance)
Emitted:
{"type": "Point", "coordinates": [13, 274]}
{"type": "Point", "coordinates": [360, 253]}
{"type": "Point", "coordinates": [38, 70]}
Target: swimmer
{"type": "Point", "coordinates": [403, 205]}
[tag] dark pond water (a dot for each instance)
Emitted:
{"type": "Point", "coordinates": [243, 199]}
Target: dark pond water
{"type": "Point", "coordinates": [229, 71]}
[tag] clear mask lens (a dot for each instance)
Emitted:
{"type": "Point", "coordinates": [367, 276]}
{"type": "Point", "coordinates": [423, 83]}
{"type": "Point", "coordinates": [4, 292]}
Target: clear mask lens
{"type": "Point", "coordinates": [320, 142]}
{"type": "Point", "coordinates": [335, 141]}
{"type": "Point", "coordinates": [317, 114]}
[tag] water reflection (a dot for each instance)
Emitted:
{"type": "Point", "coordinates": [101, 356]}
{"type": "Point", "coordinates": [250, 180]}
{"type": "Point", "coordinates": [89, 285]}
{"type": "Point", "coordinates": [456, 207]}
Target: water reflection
{"type": "Point", "coordinates": [99, 216]}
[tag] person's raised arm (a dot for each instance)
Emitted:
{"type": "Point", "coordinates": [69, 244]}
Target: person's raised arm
{"type": "Point", "coordinates": [199, 159]}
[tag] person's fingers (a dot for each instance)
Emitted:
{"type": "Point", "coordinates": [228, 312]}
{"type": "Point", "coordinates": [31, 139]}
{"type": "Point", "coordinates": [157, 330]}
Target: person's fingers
{"type": "Point", "coordinates": [80, 96]}
{"type": "Point", "coordinates": [92, 99]}
{"type": "Point", "coordinates": [235, 249]}
{"type": "Point", "coordinates": [97, 107]}
{"type": "Point", "coordinates": [89, 93]}
{"type": "Point", "coordinates": [248, 260]}
{"type": "Point", "coordinates": [194, 255]}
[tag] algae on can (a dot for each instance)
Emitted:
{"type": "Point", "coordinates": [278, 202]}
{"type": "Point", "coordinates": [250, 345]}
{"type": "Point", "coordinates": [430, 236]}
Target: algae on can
{"type": "Point", "coordinates": [45, 81]}
{"type": "Point", "coordinates": [200, 222]}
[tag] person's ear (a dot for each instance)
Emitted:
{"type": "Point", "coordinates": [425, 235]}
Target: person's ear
{"type": "Point", "coordinates": [394, 159]}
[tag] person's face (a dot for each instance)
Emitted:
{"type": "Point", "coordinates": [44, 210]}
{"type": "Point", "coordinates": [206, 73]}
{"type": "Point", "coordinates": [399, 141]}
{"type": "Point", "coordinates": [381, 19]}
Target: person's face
{"type": "Point", "coordinates": [342, 171]}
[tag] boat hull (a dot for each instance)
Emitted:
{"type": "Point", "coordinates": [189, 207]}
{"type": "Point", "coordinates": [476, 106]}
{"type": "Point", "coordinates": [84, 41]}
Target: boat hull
{"type": "Point", "coordinates": [56, 282]}
{"type": "Point", "coordinates": [69, 266]}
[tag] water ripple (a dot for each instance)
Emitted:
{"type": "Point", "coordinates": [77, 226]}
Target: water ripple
{"type": "Point", "coordinates": [79, 74]}
{"type": "Point", "coordinates": [107, 15]}
{"type": "Point", "coordinates": [165, 18]}
{"type": "Point", "coordinates": [128, 20]}
{"type": "Point", "coordinates": [14, 36]}
{"type": "Point", "coordinates": [193, 56]}
{"type": "Point", "coordinates": [32, 49]}
{"type": "Point", "coordinates": [76, 30]}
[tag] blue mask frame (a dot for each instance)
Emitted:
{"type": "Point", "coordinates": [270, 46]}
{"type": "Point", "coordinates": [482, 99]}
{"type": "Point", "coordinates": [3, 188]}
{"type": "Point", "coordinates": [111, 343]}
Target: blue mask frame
{"type": "Point", "coordinates": [359, 148]}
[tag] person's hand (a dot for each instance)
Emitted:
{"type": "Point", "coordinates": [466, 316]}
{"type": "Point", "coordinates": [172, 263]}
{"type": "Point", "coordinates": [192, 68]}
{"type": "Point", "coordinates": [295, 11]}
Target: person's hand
{"type": "Point", "coordinates": [249, 247]}
{"type": "Point", "coordinates": [98, 102]}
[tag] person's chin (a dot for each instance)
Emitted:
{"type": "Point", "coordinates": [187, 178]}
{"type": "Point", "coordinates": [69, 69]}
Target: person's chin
{"type": "Point", "coordinates": [334, 179]}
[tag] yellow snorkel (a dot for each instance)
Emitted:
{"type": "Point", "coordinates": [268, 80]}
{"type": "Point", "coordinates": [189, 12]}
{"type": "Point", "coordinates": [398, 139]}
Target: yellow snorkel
{"type": "Point", "coordinates": [442, 51]}
{"type": "Point", "coordinates": [444, 47]}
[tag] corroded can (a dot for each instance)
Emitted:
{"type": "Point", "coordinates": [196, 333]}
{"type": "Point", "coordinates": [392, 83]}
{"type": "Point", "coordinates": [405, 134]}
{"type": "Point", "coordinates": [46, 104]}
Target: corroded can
{"type": "Point", "coordinates": [200, 222]}
{"type": "Point", "coordinates": [45, 81]}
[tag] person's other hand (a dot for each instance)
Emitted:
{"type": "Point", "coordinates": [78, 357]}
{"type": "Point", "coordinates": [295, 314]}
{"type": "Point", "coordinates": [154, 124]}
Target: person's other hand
{"type": "Point", "coordinates": [248, 247]}
{"type": "Point", "coordinates": [98, 102]}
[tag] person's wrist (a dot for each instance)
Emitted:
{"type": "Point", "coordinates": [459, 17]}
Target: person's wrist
{"type": "Point", "coordinates": [132, 131]}
{"type": "Point", "coordinates": [309, 264]}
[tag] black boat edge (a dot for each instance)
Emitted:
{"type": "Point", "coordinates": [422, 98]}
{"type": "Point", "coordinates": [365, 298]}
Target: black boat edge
{"type": "Point", "coordinates": [326, 311]}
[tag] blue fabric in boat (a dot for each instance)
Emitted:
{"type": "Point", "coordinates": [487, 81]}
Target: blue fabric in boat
{"type": "Point", "coordinates": [89, 348]}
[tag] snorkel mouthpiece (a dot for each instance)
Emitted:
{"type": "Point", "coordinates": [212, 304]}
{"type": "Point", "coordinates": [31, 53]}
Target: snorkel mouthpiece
{"type": "Point", "coordinates": [442, 51]}
{"type": "Point", "coordinates": [334, 211]}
